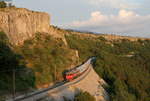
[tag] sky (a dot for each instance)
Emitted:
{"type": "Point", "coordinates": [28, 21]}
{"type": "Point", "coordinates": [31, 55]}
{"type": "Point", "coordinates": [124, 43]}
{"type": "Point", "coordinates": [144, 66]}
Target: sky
{"type": "Point", "coordinates": [120, 17]}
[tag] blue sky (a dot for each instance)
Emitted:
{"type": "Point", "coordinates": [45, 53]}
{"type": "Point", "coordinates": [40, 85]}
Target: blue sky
{"type": "Point", "coordinates": [123, 17]}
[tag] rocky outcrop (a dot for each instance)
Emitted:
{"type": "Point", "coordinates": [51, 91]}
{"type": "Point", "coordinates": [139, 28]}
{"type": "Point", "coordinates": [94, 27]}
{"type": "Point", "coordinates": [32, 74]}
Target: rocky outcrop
{"type": "Point", "coordinates": [20, 24]}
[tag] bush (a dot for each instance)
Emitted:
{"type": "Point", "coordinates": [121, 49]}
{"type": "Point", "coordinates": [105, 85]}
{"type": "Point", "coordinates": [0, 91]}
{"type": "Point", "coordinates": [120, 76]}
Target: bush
{"type": "Point", "coordinates": [84, 96]}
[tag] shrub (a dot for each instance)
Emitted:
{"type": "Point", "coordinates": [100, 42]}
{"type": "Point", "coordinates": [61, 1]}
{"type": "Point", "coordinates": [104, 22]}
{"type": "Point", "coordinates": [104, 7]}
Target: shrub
{"type": "Point", "coordinates": [84, 96]}
{"type": "Point", "coordinates": [45, 56]}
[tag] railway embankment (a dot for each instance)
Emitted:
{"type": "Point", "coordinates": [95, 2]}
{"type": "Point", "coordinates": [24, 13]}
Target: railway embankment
{"type": "Point", "coordinates": [93, 84]}
{"type": "Point", "coordinates": [89, 82]}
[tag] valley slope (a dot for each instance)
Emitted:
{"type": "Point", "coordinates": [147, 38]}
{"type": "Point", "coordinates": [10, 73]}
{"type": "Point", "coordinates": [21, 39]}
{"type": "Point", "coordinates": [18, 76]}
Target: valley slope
{"type": "Point", "coordinates": [38, 54]}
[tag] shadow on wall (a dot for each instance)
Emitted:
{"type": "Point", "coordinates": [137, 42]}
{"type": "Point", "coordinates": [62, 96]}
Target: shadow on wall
{"type": "Point", "coordinates": [14, 75]}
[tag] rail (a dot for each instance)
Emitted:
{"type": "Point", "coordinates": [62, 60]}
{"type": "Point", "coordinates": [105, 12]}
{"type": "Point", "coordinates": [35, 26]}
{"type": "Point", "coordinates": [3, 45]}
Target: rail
{"type": "Point", "coordinates": [62, 84]}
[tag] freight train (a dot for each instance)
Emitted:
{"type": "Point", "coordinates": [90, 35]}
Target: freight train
{"type": "Point", "coordinates": [79, 70]}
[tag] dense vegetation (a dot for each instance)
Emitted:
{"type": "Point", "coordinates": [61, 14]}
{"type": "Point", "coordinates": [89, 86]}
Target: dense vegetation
{"type": "Point", "coordinates": [84, 96]}
{"type": "Point", "coordinates": [46, 56]}
{"type": "Point", "coordinates": [123, 64]}
{"type": "Point", "coordinates": [39, 61]}
{"type": "Point", "coordinates": [9, 62]}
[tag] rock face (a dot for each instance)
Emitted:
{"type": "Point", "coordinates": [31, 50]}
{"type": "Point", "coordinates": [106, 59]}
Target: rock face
{"type": "Point", "coordinates": [20, 24]}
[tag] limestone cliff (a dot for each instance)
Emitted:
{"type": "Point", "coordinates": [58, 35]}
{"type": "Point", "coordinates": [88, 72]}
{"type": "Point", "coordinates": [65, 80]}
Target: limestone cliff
{"type": "Point", "coordinates": [20, 24]}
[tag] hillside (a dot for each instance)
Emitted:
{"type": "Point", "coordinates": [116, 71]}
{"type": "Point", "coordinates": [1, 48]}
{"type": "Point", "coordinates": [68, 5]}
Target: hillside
{"type": "Point", "coordinates": [122, 63]}
{"type": "Point", "coordinates": [40, 56]}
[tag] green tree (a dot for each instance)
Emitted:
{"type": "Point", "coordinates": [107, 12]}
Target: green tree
{"type": "Point", "coordinates": [127, 77]}
{"type": "Point", "coordinates": [10, 61]}
{"type": "Point", "coordinates": [84, 96]}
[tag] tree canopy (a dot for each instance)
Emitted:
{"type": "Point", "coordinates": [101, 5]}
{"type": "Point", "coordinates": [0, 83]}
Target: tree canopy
{"type": "Point", "coordinates": [84, 96]}
{"type": "Point", "coordinates": [123, 64]}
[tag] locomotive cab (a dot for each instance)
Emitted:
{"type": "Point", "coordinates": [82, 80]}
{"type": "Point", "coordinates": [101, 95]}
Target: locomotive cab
{"type": "Point", "coordinates": [79, 70]}
{"type": "Point", "coordinates": [71, 74]}
{"type": "Point", "coordinates": [70, 77]}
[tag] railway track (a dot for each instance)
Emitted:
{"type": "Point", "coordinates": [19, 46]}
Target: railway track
{"type": "Point", "coordinates": [43, 92]}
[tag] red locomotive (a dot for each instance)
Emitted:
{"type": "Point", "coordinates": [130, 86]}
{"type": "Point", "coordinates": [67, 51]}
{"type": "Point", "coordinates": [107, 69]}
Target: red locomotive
{"type": "Point", "coordinates": [79, 70]}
